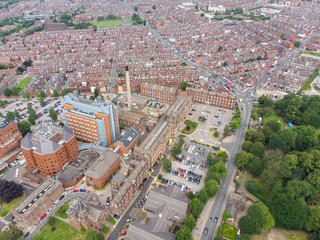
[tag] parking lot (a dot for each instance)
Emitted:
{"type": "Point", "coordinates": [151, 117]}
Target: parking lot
{"type": "Point", "coordinates": [189, 168]}
{"type": "Point", "coordinates": [216, 119]}
{"type": "Point", "coordinates": [42, 112]}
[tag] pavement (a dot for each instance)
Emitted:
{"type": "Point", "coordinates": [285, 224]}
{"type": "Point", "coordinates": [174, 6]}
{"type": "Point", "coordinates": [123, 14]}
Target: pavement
{"type": "Point", "coordinates": [243, 189]}
{"type": "Point", "coordinates": [54, 210]}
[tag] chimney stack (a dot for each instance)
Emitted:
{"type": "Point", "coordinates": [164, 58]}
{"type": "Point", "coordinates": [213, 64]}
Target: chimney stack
{"type": "Point", "coordinates": [128, 88]}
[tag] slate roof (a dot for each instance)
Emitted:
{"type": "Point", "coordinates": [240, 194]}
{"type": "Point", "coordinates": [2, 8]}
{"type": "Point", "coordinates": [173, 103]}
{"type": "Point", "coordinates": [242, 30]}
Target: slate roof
{"type": "Point", "coordinates": [129, 137]}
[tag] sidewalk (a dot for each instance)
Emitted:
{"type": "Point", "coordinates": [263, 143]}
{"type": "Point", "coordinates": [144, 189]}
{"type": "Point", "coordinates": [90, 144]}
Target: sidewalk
{"type": "Point", "coordinates": [243, 189]}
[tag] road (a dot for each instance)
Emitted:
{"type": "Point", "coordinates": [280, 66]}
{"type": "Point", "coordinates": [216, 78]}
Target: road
{"type": "Point", "coordinates": [115, 233]}
{"type": "Point", "coordinates": [114, 67]}
{"type": "Point", "coordinates": [54, 210]}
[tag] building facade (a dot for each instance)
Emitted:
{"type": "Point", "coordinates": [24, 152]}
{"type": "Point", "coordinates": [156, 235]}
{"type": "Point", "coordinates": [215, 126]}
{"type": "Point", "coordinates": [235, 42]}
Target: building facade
{"type": "Point", "coordinates": [125, 187]}
{"type": "Point", "coordinates": [208, 97]}
{"type": "Point", "coordinates": [158, 92]}
{"type": "Point", "coordinates": [168, 127]}
{"type": "Point", "coordinates": [10, 137]}
{"type": "Point", "coordinates": [92, 121]}
{"type": "Point", "coordinates": [49, 149]}
{"type": "Point", "coordinates": [30, 210]}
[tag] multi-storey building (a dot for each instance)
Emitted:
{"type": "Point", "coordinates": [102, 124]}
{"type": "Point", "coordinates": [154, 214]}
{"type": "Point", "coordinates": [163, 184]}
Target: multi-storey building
{"type": "Point", "coordinates": [39, 202]}
{"type": "Point", "coordinates": [125, 187]}
{"type": "Point", "coordinates": [129, 140]}
{"type": "Point", "coordinates": [168, 127]}
{"type": "Point", "coordinates": [49, 148]}
{"type": "Point", "coordinates": [10, 137]}
{"type": "Point", "coordinates": [158, 92]}
{"type": "Point", "coordinates": [92, 121]}
{"type": "Point", "coordinates": [208, 97]}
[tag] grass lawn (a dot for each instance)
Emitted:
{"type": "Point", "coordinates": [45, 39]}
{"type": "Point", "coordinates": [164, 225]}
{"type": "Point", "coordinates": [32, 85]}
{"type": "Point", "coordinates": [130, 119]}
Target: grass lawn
{"type": "Point", "coordinates": [62, 210]}
{"type": "Point", "coordinates": [111, 220]}
{"type": "Point", "coordinates": [63, 231]}
{"type": "Point", "coordinates": [185, 131]}
{"type": "Point", "coordinates": [274, 116]}
{"type": "Point", "coordinates": [24, 82]}
{"type": "Point", "coordinates": [227, 230]}
{"type": "Point", "coordinates": [295, 235]}
{"type": "Point", "coordinates": [105, 229]}
{"type": "Point", "coordinates": [103, 24]}
{"type": "Point", "coordinates": [6, 207]}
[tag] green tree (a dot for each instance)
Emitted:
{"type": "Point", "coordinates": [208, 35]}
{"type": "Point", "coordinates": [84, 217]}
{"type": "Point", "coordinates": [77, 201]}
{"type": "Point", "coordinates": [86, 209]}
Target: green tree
{"type": "Point", "coordinates": [96, 92]}
{"type": "Point", "coordinates": [55, 93]}
{"type": "Point", "coordinates": [274, 125]}
{"type": "Point", "coordinates": [249, 225]}
{"type": "Point", "coordinates": [216, 134]}
{"type": "Point", "coordinates": [26, 95]}
{"type": "Point", "coordinates": [202, 14]}
{"type": "Point", "coordinates": [160, 177]}
{"type": "Point", "coordinates": [14, 233]}
{"type": "Point", "coordinates": [185, 84]}
{"type": "Point", "coordinates": [257, 149]}
{"type": "Point", "coordinates": [246, 145]}
{"type": "Point", "coordinates": [51, 221]}
{"type": "Point", "coordinates": [203, 196]}
{"type": "Point", "coordinates": [220, 48]}
{"type": "Point", "coordinates": [53, 114]}
{"type": "Point", "coordinates": [243, 159]}
{"type": "Point", "coordinates": [167, 165]}
{"type": "Point", "coordinates": [261, 213]}
{"type": "Point", "coordinates": [297, 43]}
{"type": "Point", "coordinates": [298, 189]}
{"type": "Point", "coordinates": [221, 155]}
{"type": "Point", "coordinates": [15, 91]}
{"type": "Point", "coordinates": [196, 207]}
{"type": "Point", "coordinates": [289, 213]}
{"type": "Point", "coordinates": [65, 91]}
{"type": "Point", "coordinates": [225, 64]}
{"type": "Point", "coordinates": [16, 113]}
{"type": "Point", "coordinates": [220, 168]}
{"type": "Point", "coordinates": [100, 18]}
{"type": "Point", "coordinates": [184, 234]}
{"type": "Point", "coordinates": [41, 101]}
{"type": "Point", "coordinates": [7, 92]}
{"type": "Point", "coordinates": [255, 167]}
{"type": "Point", "coordinates": [32, 116]}
{"type": "Point", "coordinates": [313, 220]}
{"type": "Point", "coordinates": [291, 160]}
{"type": "Point", "coordinates": [10, 116]}
{"type": "Point", "coordinates": [212, 187]}
{"type": "Point", "coordinates": [225, 130]}
{"type": "Point", "coordinates": [61, 124]}
{"type": "Point", "coordinates": [209, 158]}
{"type": "Point", "coordinates": [41, 94]}
{"type": "Point", "coordinates": [154, 7]}
{"type": "Point", "coordinates": [136, 8]}
{"type": "Point", "coordinates": [24, 127]}
{"type": "Point", "coordinates": [234, 125]}
{"type": "Point", "coordinates": [190, 222]}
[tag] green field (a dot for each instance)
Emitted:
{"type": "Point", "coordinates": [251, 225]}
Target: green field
{"type": "Point", "coordinates": [24, 82]}
{"type": "Point", "coordinates": [228, 231]}
{"type": "Point", "coordinates": [273, 116]}
{"type": "Point", "coordinates": [6, 207]}
{"type": "Point", "coordinates": [63, 231]}
{"type": "Point", "coordinates": [62, 210]}
{"type": "Point", "coordinates": [104, 24]}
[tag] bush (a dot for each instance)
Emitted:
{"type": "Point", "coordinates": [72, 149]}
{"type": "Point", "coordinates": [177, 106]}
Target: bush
{"type": "Point", "coordinates": [82, 229]}
{"type": "Point", "coordinates": [160, 177]}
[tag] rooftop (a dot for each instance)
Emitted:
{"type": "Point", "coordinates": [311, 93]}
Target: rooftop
{"type": "Point", "coordinates": [129, 137]}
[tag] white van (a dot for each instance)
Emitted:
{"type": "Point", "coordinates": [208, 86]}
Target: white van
{"type": "Point", "coordinates": [17, 173]}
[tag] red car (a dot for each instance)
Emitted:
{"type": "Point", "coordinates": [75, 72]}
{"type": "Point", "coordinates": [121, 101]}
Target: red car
{"type": "Point", "coordinates": [188, 190]}
{"type": "Point", "coordinates": [201, 163]}
{"type": "Point", "coordinates": [75, 190]}
{"type": "Point", "coordinates": [3, 107]}
{"type": "Point", "coordinates": [213, 153]}
{"type": "Point", "coordinates": [141, 186]}
{"type": "Point", "coordinates": [123, 233]}
{"type": "Point", "coordinates": [43, 216]}
{"type": "Point", "coordinates": [182, 175]}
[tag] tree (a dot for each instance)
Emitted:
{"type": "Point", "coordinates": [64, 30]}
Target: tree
{"type": "Point", "coordinates": [10, 116]}
{"type": "Point", "coordinates": [255, 167]}
{"type": "Point", "coordinates": [15, 91]}
{"type": "Point", "coordinates": [246, 145]}
{"type": "Point", "coordinates": [262, 215]}
{"type": "Point", "coordinates": [93, 235]}
{"type": "Point", "coordinates": [24, 127]}
{"type": "Point", "coordinates": [136, 8]}
{"type": "Point", "coordinates": [257, 149]}
{"type": "Point", "coordinates": [167, 165]}
{"type": "Point", "coordinates": [274, 125]}
{"type": "Point", "coordinates": [100, 19]}
{"type": "Point", "coordinates": [212, 187]}
{"type": "Point", "coordinates": [202, 14]}
{"type": "Point", "coordinates": [61, 124]}
{"type": "Point", "coordinates": [225, 64]}
{"type": "Point", "coordinates": [41, 94]}
{"type": "Point", "coordinates": [203, 196]}
{"type": "Point", "coordinates": [197, 7]}
{"type": "Point", "coordinates": [196, 207]}
{"type": "Point", "coordinates": [216, 134]}
{"type": "Point", "coordinates": [243, 159]}
{"type": "Point", "coordinates": [121, 127]}
{"type": "Point", "coordinates": [55, 93]}
{"type": "Point", "coordinates": [225, 130]}
{"type": "Point", "coordinates": [96, 92]}
{"type": "Point", "coordinates": [53, 114]}
{"type": "Point", "coordinates": [16, 113]}
{"type": "Point", "coordinates": [154, 7]}
{"type": "Point", "coordinates": [65, 91]}
{"type": "Point", "coordinates": [184, 86]}
{"type": "Point", "coordinates": [111, 60]}
{"type": "Point", "coordinates": [289, 213]}
{"type": "Point", "coordinates": [9, 190]}
{"type": "Point", "coordinates": [7, 92]}
{"type": "Point", "coordinates": [313, 220]}
{"type": "Point", "coordinates": [32, 116]}
{"type": "Point", "coordinates": [26, 95]}
{"type": "Point", "coordinates": [13, 233]}
{"type": "Point", "coordinates": [160, 177]}
{"type": "Point", "coordinates": [20, 70]}
{"type": "Point", "coordinates": [300, 189]}
{"type": "Point", "coordinates": [249, 225]}
{"type": "Point", "coordinates": [291, 160]}
{"type": "Point", "coordinates": [220, 48]}
{"type": "Point", "coordinates": [297, 43]}
{"type": "Point", "coordinates": [41, 101]}
{"type": "Point", "coordinates": [190, 222]}
{"type": "Point", "coordinates": [184, 234]}
{"type": "Point", "coordinates": [234, 125]}
{"type": "Point", "coordinates": [220, 168]}
{"type": "Point", "coordinates": [51, 221]}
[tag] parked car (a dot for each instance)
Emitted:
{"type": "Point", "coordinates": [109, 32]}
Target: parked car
{"type": "Point", "coordinates": [82, 190]}
{"type": "Point", "coordinates": [215, 219]}
{"type": "Point", "coordinates": [116, 216]}
{"type": "Point", "coordinates": [123, 233]}
{"type": "Point", "coordinates": [26, 235]}
{"type": "Point", "coordinates": [129, 220]}
{"type": "Point", "coordinates": [145, 180]}
{"type": "Point", "coordinates": [43, 216]}
{"type": "Point", "coordinates": [205, 232]}
{"type": "Point", "coordinates": [141, 186]}
{"type": "Point", "coordinates": [75, 190]}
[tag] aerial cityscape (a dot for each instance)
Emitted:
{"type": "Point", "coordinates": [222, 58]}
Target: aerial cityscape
{"type": "Point", "coordinates": [159, 120]}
